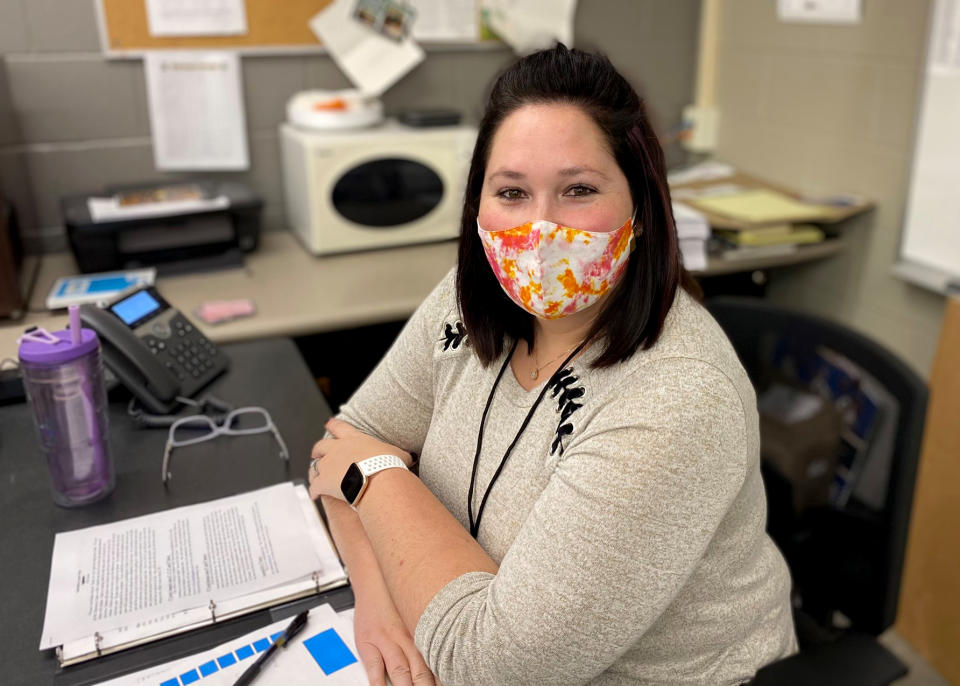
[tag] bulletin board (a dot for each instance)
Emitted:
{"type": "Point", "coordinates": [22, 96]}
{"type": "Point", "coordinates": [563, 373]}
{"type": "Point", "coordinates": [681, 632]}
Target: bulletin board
{"type": "Point", "coordinates": [272, 26]}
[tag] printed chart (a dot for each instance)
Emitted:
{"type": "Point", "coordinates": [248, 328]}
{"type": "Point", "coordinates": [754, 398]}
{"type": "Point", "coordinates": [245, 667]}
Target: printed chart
{"type": "Point", "coordinates": [322, 654]}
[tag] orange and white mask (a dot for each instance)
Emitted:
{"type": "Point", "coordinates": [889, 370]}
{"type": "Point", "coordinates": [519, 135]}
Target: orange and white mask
{"type": "Point", "coordinates": [552, 271]}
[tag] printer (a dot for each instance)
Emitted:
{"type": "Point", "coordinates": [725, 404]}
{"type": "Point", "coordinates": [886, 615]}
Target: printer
{"type": "Point", "coordinates": [177, 227]}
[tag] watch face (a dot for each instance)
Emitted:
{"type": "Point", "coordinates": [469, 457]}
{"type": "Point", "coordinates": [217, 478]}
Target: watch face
{"type": "Point", "coordinates": [352, 483]}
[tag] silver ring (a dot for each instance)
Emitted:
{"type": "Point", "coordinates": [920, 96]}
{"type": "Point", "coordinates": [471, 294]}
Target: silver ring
{"type": "Point", "coordinates": [314, 466]}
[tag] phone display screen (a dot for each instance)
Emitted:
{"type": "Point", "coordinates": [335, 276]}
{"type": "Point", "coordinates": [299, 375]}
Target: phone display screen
{"type": "Point", "coordinates": [136, 307]}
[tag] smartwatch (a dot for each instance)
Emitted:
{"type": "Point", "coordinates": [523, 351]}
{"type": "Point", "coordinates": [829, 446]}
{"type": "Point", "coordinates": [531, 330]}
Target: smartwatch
{"type": "Point", "coordinates": [355, 481]}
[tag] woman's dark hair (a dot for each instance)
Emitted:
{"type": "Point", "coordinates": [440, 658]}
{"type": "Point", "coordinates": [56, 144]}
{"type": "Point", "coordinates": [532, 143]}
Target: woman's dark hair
{"type": "Point", "coordinates": [635, 310]}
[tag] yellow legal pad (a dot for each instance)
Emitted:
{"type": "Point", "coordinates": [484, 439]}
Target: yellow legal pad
{"type": "Point", "coordinates": [761, 206]}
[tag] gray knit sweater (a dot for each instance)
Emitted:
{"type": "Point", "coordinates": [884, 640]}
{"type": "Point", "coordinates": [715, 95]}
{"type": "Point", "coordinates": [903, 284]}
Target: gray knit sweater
{"type": "Point", "coordinates": [628, 523]}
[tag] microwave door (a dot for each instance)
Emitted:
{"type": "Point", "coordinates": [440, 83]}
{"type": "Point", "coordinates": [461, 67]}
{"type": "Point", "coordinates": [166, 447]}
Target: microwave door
{"type": "Point", "coordinates": [387, 193]}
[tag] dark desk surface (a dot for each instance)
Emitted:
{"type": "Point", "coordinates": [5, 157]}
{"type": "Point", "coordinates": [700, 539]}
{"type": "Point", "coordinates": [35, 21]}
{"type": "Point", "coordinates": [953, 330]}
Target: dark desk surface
{"type": "Point", "coordinates": [269, 373]}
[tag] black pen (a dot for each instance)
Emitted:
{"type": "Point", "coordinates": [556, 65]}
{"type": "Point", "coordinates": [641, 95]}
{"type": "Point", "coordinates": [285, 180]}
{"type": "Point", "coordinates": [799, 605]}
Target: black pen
{"type": "Point", "coordinates": [253, 670]}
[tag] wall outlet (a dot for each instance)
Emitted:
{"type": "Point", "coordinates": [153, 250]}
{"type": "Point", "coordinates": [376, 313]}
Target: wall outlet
{"type": "Point", "coordinates": [701, 124]}
{"type": "Point", "coordinates": [819, 11]}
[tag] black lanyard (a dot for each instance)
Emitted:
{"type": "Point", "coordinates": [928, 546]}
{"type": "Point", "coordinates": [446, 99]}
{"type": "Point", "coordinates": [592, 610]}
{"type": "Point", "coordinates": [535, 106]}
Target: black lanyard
{"type": "Point", "coordinates": [475, 525]}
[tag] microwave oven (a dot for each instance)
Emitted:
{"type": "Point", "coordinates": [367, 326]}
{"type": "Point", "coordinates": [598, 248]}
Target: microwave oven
{"type": "Point", "coordinates": [373, 188]}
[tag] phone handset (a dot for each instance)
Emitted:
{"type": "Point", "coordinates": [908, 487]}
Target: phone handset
{"type": "Point", "coordinates": [154, 350]}
{"type": "Point", "coordinates": [155, 386]}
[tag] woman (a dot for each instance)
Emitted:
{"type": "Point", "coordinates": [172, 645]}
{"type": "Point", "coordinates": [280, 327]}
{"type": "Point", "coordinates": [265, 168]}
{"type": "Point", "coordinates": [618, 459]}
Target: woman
{"type": "Point", "coordinates": [589, 507]}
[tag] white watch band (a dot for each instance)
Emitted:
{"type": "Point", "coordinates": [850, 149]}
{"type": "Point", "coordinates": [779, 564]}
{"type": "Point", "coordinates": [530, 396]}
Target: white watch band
{"type": "Point", "coordinates": [378, 463]}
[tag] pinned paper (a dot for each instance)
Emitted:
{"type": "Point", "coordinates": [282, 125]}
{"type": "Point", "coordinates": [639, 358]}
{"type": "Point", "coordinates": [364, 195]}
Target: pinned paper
{"type": "Point", "coordinates": [370, 60]}
{"type": "Point", "coordinates": [445, 20]}
{"type": "Point", "coordinates": [196, 17]}
{"type": "Point", "coordinates": [529, 25]}
{"type": "Point", "coordinates": [196, 110]}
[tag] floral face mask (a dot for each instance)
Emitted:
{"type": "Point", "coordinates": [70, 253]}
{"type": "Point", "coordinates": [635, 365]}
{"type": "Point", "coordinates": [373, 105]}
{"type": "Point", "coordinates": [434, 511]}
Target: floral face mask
{"type": "Point", "coordinates": [552, 271]}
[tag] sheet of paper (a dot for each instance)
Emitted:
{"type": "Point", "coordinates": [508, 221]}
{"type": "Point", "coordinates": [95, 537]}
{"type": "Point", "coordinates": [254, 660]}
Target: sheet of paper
{"type": "Point", "coordinates": [371, 61]}
{"type": "Point", "coordinates": [324, 652]}
{"type": "Point", "coordinates": [760, 205]}
{"type": "Point", "coordinates": [690, 223]}
{"type": "Point", "coordinates": [694, 254]}
{"type": "Point", "coordinates": [787, 404]}
{"type": "Point", "coordinates": [820, 11]}
{"type": "Point", "coordinates": [196, 17]}
{"type": "Point", "coordinates": [131, 574]}
{"type": "Point", "coordinates": [688, 192]}
{"type": "Point", "coordinates": [705, 171]}
{"type": "Point", "coordinates": [196, 110]}
{"type": "Point", "coordinates": [108, 209]}
{"type": "Point", "coordinates": [528, 25]}
{"type": "Point", "coordinates": [445, 20]}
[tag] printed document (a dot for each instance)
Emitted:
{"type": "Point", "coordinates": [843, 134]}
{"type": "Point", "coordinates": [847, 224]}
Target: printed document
{"type": "Point", "coordinates": [196, 17]}
{"type": "Point", "coordinates": [196, 110]}
{"type": "Point", "coordinates": [134, 577]}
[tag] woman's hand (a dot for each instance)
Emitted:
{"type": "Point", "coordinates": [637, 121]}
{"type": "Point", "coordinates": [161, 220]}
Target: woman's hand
{"type": "Point", "coordinates": [385, 645]}
{"type": "Point", "coordinates": [332, 457]}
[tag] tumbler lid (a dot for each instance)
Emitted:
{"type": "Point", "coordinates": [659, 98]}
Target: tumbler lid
{"type": "Point", "coordinates": [36, 351]}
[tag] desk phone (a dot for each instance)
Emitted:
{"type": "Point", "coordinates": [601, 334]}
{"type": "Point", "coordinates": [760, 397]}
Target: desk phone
{"type": "Point", "coordinates": [153, 349]}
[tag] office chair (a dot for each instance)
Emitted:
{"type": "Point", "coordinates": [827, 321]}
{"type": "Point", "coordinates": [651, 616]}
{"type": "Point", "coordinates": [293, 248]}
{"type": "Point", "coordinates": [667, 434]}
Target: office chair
{"type": "Point", "coordinates": [845, 559]}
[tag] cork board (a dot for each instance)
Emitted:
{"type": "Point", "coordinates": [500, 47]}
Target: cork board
{"type": "Point", "coordinates": [930, 593]}
{"type": "Point", "coordinates": [272, 25]}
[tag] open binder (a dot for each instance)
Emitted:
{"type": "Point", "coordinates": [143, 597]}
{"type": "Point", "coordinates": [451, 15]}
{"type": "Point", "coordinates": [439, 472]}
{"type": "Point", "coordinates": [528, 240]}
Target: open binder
{"type": "Point", "coordinates": [298, 560]}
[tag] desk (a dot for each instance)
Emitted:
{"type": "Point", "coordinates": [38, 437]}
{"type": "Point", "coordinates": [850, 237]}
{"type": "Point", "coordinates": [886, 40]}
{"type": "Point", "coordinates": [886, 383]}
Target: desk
{"type": "Point", "coordinates": [225, 466]}
{"type": "Point", "coordinates": [295, 292]}
{"type": "Point", "coordinates": [298, 294]}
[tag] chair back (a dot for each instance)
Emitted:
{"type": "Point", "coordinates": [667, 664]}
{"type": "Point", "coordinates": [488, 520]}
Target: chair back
{"type": "Point", "coordinates": [850, 557]}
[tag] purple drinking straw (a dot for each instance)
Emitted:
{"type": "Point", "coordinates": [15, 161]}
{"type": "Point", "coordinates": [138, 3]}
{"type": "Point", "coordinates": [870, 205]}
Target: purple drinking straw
{"type": "Point", "coordinates": [93, 426]}
{"type": "Point", "coordinates": [75, 335]}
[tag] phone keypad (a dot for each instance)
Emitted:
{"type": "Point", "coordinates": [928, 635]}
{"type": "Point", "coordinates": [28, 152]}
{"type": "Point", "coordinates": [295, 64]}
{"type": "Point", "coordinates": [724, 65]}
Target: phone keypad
{"type": "Point", "coordinates": [187, 353]}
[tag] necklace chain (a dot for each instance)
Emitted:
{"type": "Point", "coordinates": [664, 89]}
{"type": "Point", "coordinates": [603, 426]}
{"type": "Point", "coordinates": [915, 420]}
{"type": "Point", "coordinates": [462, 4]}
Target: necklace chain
{"type": "Point", "coordinates": [536, 372]}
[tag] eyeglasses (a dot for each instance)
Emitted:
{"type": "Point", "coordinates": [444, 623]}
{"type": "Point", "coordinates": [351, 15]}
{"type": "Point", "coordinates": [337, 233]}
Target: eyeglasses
{"type": "Point", "coordinates": [244, 421]}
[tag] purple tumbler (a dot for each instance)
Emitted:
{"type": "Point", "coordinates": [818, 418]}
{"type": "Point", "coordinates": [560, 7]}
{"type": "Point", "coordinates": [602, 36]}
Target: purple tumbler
{"type": "Point", "coordinates": [63, 378]}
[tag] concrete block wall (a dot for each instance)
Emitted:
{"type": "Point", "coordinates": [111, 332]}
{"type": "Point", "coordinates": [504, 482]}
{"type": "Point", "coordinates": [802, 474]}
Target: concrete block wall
{"type": "Point", "coordinates": [71, 121]}
{"type": "Point", "coordinates": [826, 109]}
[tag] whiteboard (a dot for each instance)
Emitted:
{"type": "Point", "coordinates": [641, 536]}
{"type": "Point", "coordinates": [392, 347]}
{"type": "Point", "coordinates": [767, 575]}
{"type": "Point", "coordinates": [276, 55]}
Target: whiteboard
{"type": "Point", "coordinates": [931, 237]}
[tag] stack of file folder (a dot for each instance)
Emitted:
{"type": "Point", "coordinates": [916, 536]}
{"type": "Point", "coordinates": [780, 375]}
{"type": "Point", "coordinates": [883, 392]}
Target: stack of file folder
{"type": "Point", "coordinates": [775, 239]}
{"type": "Point", "coordinates": [693, 232]}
